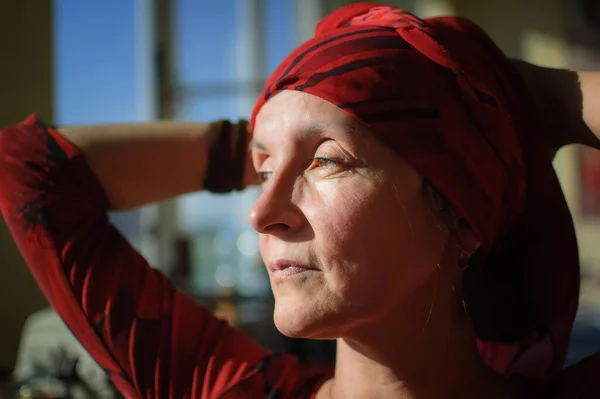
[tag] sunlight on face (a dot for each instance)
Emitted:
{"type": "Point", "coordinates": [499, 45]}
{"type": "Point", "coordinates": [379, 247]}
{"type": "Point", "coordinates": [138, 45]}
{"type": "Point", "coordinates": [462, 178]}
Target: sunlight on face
{"type": "Point", "coordinates": [344, 230]}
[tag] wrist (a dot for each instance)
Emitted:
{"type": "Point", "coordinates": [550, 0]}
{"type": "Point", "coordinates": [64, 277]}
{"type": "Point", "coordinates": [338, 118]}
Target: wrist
{"type": "Point", "coordinates": [227, 157]}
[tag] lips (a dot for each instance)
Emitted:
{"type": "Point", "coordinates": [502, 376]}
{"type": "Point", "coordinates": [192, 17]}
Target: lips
{"type": "Point", "coordinates": [283, 268]}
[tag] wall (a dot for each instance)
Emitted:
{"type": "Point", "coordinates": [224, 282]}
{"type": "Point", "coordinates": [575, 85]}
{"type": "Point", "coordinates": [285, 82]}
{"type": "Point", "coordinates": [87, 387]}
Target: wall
{"type": "Point", "coordinates": [25, 86]}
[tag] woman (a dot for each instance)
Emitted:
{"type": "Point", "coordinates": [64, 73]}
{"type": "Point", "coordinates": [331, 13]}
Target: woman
{"type": "Point", "coordinates": [409, 210]}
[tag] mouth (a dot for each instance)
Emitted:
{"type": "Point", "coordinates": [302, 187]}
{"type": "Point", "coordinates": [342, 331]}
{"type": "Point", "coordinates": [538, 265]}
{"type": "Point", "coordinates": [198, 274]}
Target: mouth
{"type": "Point", "coordinates": [285, 269]}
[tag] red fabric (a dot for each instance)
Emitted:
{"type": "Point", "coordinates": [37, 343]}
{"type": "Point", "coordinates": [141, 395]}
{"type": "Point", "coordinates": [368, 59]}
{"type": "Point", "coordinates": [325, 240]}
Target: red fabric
{"type": "Point", "coordinates": [152, 340]}
{"type": "Point", "coordinates": [446, 99]}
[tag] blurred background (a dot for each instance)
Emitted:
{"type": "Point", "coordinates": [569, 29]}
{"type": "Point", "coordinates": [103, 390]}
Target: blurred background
{"type": "Point", "coordinates": [106, 61]}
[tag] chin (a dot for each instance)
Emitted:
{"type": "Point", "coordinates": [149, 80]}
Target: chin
{"type": "Point", "coordinates": [297, 319]}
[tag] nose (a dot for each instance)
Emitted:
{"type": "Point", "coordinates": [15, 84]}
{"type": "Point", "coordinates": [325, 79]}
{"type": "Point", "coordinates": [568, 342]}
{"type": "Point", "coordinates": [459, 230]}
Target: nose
{"type": "Point", "coordinates": [275, 212]}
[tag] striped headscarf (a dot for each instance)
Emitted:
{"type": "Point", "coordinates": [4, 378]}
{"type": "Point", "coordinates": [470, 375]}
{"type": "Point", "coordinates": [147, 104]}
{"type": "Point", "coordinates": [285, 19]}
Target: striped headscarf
{"type": "Point", "coordinates": [445, 98]}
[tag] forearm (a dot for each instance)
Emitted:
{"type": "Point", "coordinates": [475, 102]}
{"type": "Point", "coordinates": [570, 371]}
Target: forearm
{"type": "Point", "coordinates": [590, 90]}
{"type": "Point", "coordinates": [141, 163]}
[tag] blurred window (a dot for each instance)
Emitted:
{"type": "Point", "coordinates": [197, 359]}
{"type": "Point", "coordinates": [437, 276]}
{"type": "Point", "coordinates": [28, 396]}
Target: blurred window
{"type": "Point", "coordinates": [224, 52]}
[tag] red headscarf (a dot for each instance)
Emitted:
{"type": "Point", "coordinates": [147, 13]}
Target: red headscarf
{"type": "Point", "coordinates": [445, 98]}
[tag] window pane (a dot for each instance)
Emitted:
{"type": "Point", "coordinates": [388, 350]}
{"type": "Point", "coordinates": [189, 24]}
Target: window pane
{"type": "Point", "coordinates": [280, 31]}
{"type": "Point", "coordinates": [94, 58]}
{"type": "Point", "coordinates": [207, 35]}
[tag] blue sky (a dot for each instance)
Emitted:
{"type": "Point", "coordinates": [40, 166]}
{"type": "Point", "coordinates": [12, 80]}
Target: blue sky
{"type": "Point", "coordinates": [95, 55]}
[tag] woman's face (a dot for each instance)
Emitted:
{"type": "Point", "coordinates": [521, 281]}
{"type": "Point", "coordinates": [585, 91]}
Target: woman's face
{"type": "Point", "coordinates": [345, 231]}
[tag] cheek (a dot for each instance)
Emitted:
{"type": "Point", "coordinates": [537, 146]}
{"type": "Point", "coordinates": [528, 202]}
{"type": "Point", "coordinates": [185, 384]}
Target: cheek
{"type": "Point", "coordinates": [337, 217]}
{"type": "Point", "coordinates": [349, 223]}
{"type": "Point", "coordinates": [374, 237]}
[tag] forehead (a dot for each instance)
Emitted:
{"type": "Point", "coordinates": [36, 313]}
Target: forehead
{"type": "Point", "coordinates": [301, 113]}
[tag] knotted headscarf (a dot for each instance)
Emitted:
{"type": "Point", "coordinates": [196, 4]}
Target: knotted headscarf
{"type": "Point", "coordinates": [445, 98]}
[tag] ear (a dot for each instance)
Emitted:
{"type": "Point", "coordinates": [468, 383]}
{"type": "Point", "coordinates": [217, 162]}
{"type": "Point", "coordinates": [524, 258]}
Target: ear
{"type": "Point", "coordinates": [467, 241]}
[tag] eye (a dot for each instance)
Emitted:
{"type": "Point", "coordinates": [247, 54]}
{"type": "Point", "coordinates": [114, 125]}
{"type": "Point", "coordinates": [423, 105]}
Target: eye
{"type": "Point", "coordinates": [317, 162]}
{"type": "Point", "coordinates": [263, 176]}
{"type": "Point", "coordinates": [320, 162]}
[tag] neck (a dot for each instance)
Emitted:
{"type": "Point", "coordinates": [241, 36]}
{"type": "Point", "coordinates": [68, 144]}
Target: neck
{"type": "Point", "coordinates": [428, 352]}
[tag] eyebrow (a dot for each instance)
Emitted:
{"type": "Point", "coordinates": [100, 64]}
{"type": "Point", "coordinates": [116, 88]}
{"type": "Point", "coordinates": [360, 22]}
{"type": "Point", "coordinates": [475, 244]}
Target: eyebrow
{"type": "Point", "coordinates": [305, 135]}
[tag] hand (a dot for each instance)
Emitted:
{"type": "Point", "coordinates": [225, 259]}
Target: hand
{"type": "Point", "coordinates": [556, 101]}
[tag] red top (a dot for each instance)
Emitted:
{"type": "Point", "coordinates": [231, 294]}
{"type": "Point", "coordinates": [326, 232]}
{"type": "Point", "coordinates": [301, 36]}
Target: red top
{"type": "Point", "coordinates": [154, 341]}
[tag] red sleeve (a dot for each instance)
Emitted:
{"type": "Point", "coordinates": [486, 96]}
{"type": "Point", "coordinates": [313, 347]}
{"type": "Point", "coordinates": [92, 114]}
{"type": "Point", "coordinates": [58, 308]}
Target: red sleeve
{"type": "Point", "coordinates": [153, 341]}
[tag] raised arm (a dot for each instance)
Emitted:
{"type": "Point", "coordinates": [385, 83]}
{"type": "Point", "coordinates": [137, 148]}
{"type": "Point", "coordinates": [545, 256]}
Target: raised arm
{"type": "Point", "coordinates": [147, 162]}
{"type": "Point", "coordinates": [152, 340]}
